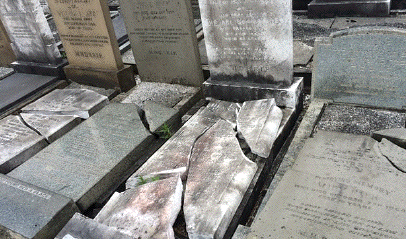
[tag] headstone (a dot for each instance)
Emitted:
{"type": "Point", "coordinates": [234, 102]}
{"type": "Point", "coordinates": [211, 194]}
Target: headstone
{"type": "Point", "coordinates": [258, 124]}
{"type": "Point", "coordinates": [88, 37]}
{"type": "Point", "coordinates": [331, 8]}
{"type": "Point", "coordinates": [81, 227]}
{"type": "Point", "coordinates": [78, 102]}
{"type": "Point", "coordinates": [362, 66]}
{"type": "Point", "coordinates": [30, 212]}
{"type": "Point", "coordinates": [51, 127]}
{"type": "Point", "coordinates": [92, 158]}
{"type": "Point", "coordinates": [163, 39]}
{"type": "Point", "coordinates": [395, 135]}
{"type": "Point", "coordinates": [31, 38]}
{"type": "Point", "coordinates": [248, 43]}
{"type": "Point", "coordinates": [119, 29]}
{"type": "Point", "coordinates": [219, 175]}
{"type": "Point", "coordinates": [147, 211]}
{"type": "Point", "coordinates": [6, 52]}
{"type": "Point", "coordinates": [394, 153]}
{"type": "Point", "coordinates": [17, 143]}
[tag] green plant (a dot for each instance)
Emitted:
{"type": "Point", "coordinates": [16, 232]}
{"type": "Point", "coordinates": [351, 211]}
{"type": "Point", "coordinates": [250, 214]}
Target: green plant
{"type": "Point", "coordinates": [165, 131]}
{"type": "Point", "coordinates": [142, 180]}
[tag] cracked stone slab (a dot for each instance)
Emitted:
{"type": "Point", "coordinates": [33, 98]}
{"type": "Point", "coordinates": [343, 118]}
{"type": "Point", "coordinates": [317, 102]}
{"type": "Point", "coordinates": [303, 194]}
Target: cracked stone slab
{"type": "Point", "coordinates": [395, 154]}
{"type": "Point", "coordinates": [29, 212]}
{"type": "Point", "coordinates": [395, 135]}
{"type": "Point", "coordinates": [158, 115]}
{"type": "Point", "coordinates": [79, 102]}
{"type": "Point", "coordinates": [258, 123]}
{"type": "Point", "coordinates": [219, 175]}
{"type": "Point", "coordinates": [51, 127]}
{"type": "Point", "coordinates": [81, 227]}
{"type": "Point", "coordinates": [147, 211]}
{"type": "Point", "coordinates": [17, 143]}
{"type": "Point", "coordinates": [92, 158]}
{"type": "Point", "coordinates": [302, 53]}
{"type": "Point", "coordinates": [176, 151]}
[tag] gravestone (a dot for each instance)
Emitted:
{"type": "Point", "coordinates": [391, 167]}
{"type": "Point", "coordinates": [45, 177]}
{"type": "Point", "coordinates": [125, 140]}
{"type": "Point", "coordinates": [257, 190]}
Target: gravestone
{"type": "Point", "coordinates": [364, 66]}
{"type": "Point", "coordinates": [88, 37]}
{"type": "Point", "coordinates": [249, 47]}
{"type": "Point", "coordinates": [30, 212]}
{"type": "Point", "coordinates": [331, 8]}
{"type": "Point", "coordinates": [6, 52]}
{"type": "Point", "coordinates": [31, 38]}
{"type": "Point", "coordinates": [92, 158]}
{"type": "Point", "coordinates": [163, 39]}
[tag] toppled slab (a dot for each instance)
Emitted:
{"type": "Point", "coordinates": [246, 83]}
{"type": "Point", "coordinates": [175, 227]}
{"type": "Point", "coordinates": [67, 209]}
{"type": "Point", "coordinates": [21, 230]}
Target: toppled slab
{"type": "Point", "coordinates": [395, 154]}
{"type": "Point", "coordinates": [396, 136]}
{"type": "Point", "coordinates": [258, 123]}
{"type": "Point", "coordinates": [17, 143]}
{"type": "Point", "coordinates": [92, 158]}
{"type": "Point", "coordinates": [158, 115]}
{"type": "Point", "coordinates": [29, 212]}
{"type": "Point", "coordinates": [147, 211]}
{"type": "Point", "coordinates": [81, 227]}
{"type": "Point", "coordinates": [51, 127]}
{"type": "Point", "coordinates": [176, 151]}
{"type": "Point", "coordinates": [79, 102]}
{"type": "Point", "coordinates": [219, 175]}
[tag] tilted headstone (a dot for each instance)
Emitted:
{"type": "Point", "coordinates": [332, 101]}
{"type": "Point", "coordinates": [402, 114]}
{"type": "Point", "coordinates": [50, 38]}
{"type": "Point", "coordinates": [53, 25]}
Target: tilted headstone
{"type": "Point", "coordinates": [163, 39]}
{"type": "Point", "coordinates": [6, 52]}
{"type": "Point", "coordinates": [31, 38]}
{"type": "Point", "coordinates": [88, 37]}
{"type": "Point", "coordinates": [364, 66]}
{"type": "Point", "coordinates": [331, 8]}
{"type": "Point", "coordinates": [249, 45]}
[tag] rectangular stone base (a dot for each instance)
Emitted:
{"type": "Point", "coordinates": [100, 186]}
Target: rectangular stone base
{"type": "Point", "coordinates": [40, 68]}
{"type": "Point", "coordinates": [244, 91]}
{"type": "Point", "coordinates": [330, 8]}
{"type": "Point", "coordinates": [108, 79]}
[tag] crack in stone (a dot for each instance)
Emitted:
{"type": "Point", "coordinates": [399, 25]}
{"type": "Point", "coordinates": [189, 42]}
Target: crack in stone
{"type": "Point", "coordinates": [32, 128]}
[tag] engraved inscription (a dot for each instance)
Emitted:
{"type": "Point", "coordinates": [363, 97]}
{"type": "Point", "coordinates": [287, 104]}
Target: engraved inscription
{"type": "Point", "coordinates": [25, 189]}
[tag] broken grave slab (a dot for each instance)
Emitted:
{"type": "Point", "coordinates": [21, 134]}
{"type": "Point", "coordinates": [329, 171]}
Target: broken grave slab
{"type": "Point", "coordinates": [219, 175]}
{"type": "Point", "coordinates": [159, 116]}
{"type": "Point", "coordinates": [78, 102]}
{"type": "Point", "coordinates": [395, 154]}
{"type": "Point", "coordinates": [81, 227]}
{"type": "Point", "coordinates": [28, 212]}
{"type": "Point", "coordinates": [395, 135]}
{"type": "Point", "coordinates": [92, 158]}
{"type": "Point", "coordinates": [147, 211]}
{"type": "Point", "coordinates": [17, 143]}
{"type": "Point", "coordinates": [176, 151]}
{"type": "Point", "coordinates": [51, 127]}
{"type": "Point", "coordinates": [258, 123]}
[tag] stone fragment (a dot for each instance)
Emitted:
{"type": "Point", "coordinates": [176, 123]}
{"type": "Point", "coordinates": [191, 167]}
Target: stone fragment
{"type": "Point", "coordinates": [30, 212]}
{"type": "Point", "coordinates": [158, 115]}
{"type": "Point", "coordinates": [219, 175]}
{"type": "Point", "coordinates": [395, 154]}
{"type": "Point", "coordinates": [92, 158]}
{"type": "Point", "coordinates": [17, 143]}
{"type": "Point", "coordinates": [395, 135]}
{"type": "Point", "coordinates": [51, 127]}
{"type": "Point", "coordinates": [147, 211]}
{"type": "Point", "coordinates": [7, 53]}
{"type": "Point", "coordinates": [81, 227]}
{"type": "Point", "coordinates": [302, 53]}
{"type": "Point", "coordinates": [258, 124]}
{"type": "Point", "coordinates": [78, 102]}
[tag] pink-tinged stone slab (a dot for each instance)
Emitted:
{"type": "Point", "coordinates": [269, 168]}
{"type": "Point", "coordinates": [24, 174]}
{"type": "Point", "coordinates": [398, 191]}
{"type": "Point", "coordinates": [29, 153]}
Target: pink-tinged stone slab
{"type": "Point", "coordinates": [219, 175]}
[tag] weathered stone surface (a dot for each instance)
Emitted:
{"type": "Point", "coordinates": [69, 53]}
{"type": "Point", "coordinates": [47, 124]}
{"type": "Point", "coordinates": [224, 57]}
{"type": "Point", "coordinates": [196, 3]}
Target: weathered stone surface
{"type": "Point", "coordinates": [358, 120]}
{"type": "Point", "coordinates": [163, 39]}
{"type": "Point", "coordinates": [258, 124]}
{"type": "Point", "coordinates": [395, 154]}
{"type": "Point", "coordinates": [361, 66]}
{"type": "Point", "coordinates": [339, 187]}
{"type": "Point", "coordinates": [29, 212]}
{"type": "Point", "coordinates": [166, 158]}
{"type": "Point", "coordinates": [17, 143]}
{"type": "Point", "coordinates": [331, 8]}
{"type": "Point", "coordinates": [396, 136]}
{"type": "Point", "coordinates": [29, 32]}
{"type": "Point", "coordinates": [7, 54]}
{"type": "Point", "coordinates": [157, 115]}
{"type": "Point", "coordinates": [78, 102]}
{"type": "Point", "coordinates": [249, 41]}
{"type": "Point", "coordinates": [302, 53]}
{"type": "Point", "coordinates": [90, 159]}
{"type": "Point", "coordinates": [81, 227]}
{"type": "Point", "coordinates": [147, 211]}
{"type": "Point", "coordinates": [51, 127]}
{"type": "Point", "coordinates": [219, 175]}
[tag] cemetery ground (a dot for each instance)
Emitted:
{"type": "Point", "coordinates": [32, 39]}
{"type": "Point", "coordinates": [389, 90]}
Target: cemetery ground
{"type": "Point", "coordinates": [105, 151]}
